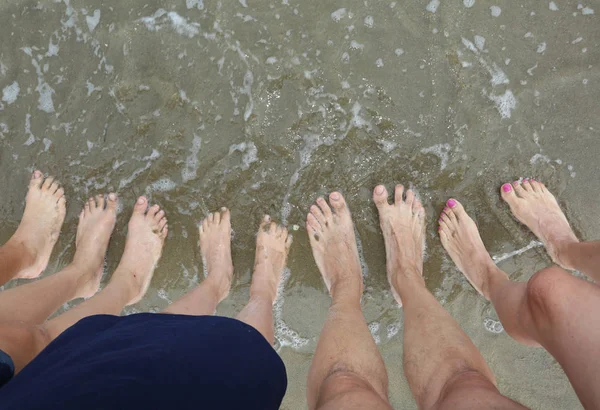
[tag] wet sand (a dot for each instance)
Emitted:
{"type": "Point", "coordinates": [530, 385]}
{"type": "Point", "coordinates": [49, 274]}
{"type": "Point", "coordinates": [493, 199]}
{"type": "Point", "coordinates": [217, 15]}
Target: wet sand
{"type": "Point", "coordinates": [263, 106]}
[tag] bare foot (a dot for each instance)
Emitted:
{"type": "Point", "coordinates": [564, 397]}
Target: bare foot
{"type": "Point", "coordinates": [533, 205]}
{"type": "Point", "coordinates": [272, 247]}
{"type": "Point", "coordinates": [215, 244]}
{"type": "Point", "coordinates": [332, 239]}
{"type": "Point", "coordinates": [96, 224]}
{"type": "Point", "coordinates": [146, 235]}
{"type": "Point", "coordinates": [403, 226]}
{"type": "Point", "coordinates": [45, 208]}
{"type": "Point", "coordinates": [461, 239]}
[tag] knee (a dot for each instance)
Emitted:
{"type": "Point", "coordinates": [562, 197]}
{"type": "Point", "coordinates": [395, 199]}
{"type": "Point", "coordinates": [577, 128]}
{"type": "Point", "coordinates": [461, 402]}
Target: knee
{"type": "Point", "coordinates": [346, 389]}
{"type": "Point", "coordinates": [546, 293]}
{"type": "Point", "coordinates": [466, 388]}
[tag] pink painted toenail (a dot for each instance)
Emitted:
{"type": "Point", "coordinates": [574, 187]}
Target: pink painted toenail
{"type": "Point", "coordinates": [335, 196]}
{"type": "Point", "coordinates": [506, 187]}
{"type": "Point", "coordinates": [379, 190]}
{"type": "Point", "coordinates": [451, 203]}
{"type": "Point", "coordinates": [446, 208]}
{"type": "Point", "coordinates": [441, 220]}
{"type": "Point", "coordinates": [526, 180]}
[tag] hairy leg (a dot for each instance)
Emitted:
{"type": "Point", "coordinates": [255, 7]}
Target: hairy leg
{"type": "Point", "coordinates": [272, 247]}
{"type": "Point", "coordinates": [27, 252]}
{"type": "Point", "coordinates": [347, 371]}
{"type": "Point", "coordinates": [79, 279]}
{"type": "Point", "coordinates": [551, 310]}
{"type": "Point", "coordinates": [215, 245]}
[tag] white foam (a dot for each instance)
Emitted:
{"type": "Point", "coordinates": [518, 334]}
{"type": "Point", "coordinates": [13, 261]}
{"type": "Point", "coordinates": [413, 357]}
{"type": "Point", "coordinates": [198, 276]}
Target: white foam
{"type": "Point", "coordinates": [162, 185]}
{"type": "Point", "coordinates": [178, 23]}
{"type": "Point", "coordinates": [190, 171]}
{"type": "Point", "coordinates": [271, 60]}
{"type": "Point", "coordinates": [499, 258]}
{"type": "Point", "coordinates": [356, 45]}
{"type": "Point", "coordinates": [577, 40]}
{"type": "Point", "coordinates": [479, 42]}
{"type": "Point", "coordinates": [199, 4]}
{"type": "Point", "coordinates": [552, 6]}
{"type": "Point", "coordinates": [45, 102]}
{"type": "Point", "coordinates": [286, 337]}
{"type": "Point", "coordinates": [505, 103]}
{"type": "Point", "coordinates": [469, 3]}
{"type": "Point", "coordinates": [496, 11]}
{"type": "Point", "coordinates": [374, 329]}
{"type": "Point", "coordinates": [250, 153]}
{"type": "Point", "coordinates": [541, 48]}
{"type": "Point", "coordinates": [493, 326]}
{"type": "Point", "coordinates": [47, 143]}
{"type": "Point", "coordinates": [338, 14]}
{"type": "Point", "coordinates": [392, 330]}
{"type": "Point", "coordinates": [399, 52]}
{"type": "Point", "coordinates": [442, 151]}
{"type": "Point", "coordinates": [433, 6]}
{"type": "Point", "coordinates": [243, 3]}
{"type": "Point", "coordinates": [587, 11]}
{"type": "Point", "coordinates": [92, 21]}
{"type": "Point", "coordinates": [31, 137]}
{"type": "Point", "coordinates": [247, 90]}
{"type": "Point", "coordinates": [369, 22]}
{"type": "Point", "coordinates": [379, 62]}
{"type": "Point", "coordinates": [10, 93]}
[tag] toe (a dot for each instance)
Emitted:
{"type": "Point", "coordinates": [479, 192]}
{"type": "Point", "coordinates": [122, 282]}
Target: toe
{"type": "Point", "coordinates": [313, 224]}
{"type": "Point", "coordinates": [316, 212]}
{"type": "Point", "coordinates": [456, 207]}
{"type": "Point", "coordinates": [62, 205]}
{"type": "Point", "coordinates": [417, 206]}
{"type": "Point", "coordinates": [47, 183]}
{"type": "Point", "coordinates": [337, 201]}
{"type": "Point", "coordinates": [535, 185]}
{"type": "Point", "coordinates": [398, 194]}
{"type": "Point", "coordinates": [140, 205]}
{"type": "Point", "coordinates": [527, 185]}
{"type": "Point", "coordinates": [37, 178]}
{"type": "Point", "coordinates": [519, 190]}
{"type": "Point", "coordinates": [288, 241]}
{"type": "Point", "coordinates": [54, 187]}
{"type": "Point", "coordinates": [204, 225]}
{"type": "Point", "coordinates": [445, 219]}
{"type": "Point", "coordinates": [153, 210]}
{"type": "Point", "coordinates": [211, 218]}
{"type": "Point", "coordinates": [273, 228]}
{"type": "Point", "coordinates": [162, 223]}
{"type": "Point", "coordinates": [265, 222]}
{"type": "Point", "coordinates": [86, 207]}
{"type": "Point", "coordinates": [164, 232]}
{"type": "Point", "coordinates": [111, 204]}
{"type": "Point", "coordinates": [217, 218]}
{"type": "Point", "coordinates": [507, 192]}
{"type": "Point", "coordinates": [380, 196]}
{"type": "Point", "coordinates": [92, 202]}
{"type": "Point", "coordinates": [59, 193]}
{"type": "Point", "coordinates": [225, 215]}
{"type": "Point", "coordinates": [159, 215]}
{"type": "Point", "coordinates": [324, 206]}
{"type": "Point", "coordinates": [410, 197]}
{"type": "Point", "coordinates": [100, 201]}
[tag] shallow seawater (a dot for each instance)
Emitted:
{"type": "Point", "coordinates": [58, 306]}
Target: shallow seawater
{"type": "Point", "coordinates": [263, 106]}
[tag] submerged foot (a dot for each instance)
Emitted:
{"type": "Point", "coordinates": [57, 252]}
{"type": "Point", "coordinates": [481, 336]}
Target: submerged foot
{"type": "Point", "coordinates": [403, 226]}
{"type": "Point", "coordinates": [534, 206]}
{"type": "Point", "coordinates": [146, 235]}
{"type": "Point", "coordinates": [45, 208]}
{"type": "Point", "coordinates": [96, 224]}
{"type": "Point", "coordinates": [215, 245]}
{"type": "Point", "coordinates": [272, 247]}
{"type": "Point", "coordinates": [332, 239]}
{"type": "Point", "coordinates": [461, 239]}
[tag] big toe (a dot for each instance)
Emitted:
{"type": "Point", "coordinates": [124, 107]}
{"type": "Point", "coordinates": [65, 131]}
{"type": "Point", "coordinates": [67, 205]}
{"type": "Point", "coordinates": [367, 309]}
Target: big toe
{"type": "Point", "coordinates": [140, 205]}
{"type": "Point", "coordinates": [225, 216]}
{"type": "Point", "coordinates": [380, 196]}
{"type": "Point", "coordinates": [112, 202]}
{"type": "Point", "coordinates": [337, 201]}
{"type": "Point", "coordinates": [507, 192]}
{"type": "Point", "coordinates": [36, 179]}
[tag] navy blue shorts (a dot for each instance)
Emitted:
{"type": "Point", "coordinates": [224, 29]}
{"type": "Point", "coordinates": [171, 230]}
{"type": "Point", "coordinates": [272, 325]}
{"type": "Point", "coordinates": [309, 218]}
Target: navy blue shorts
{"type": "Point", "coordinates": [151, 361]}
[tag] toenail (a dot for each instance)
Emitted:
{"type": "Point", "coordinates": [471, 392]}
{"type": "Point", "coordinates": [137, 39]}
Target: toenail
{"type": "Point", "coordinates": [141, 200]}
{"type": "Point", "coordinates": [335, 196]}
{"type": "Point", "coordinates": [526, 180]}
{"type": "Point", "coordinates": [379, 190]}
{"type": "Point", "coordinates": [112, 197]}
{"type": "Point", "coordinates": [441, 220]}
{"type": "Point", "coordinates": [451, 203]}
{"type": "Point", "coordinates": [506, 187]}
{"type": "Point", "coordinates": [223, 209]}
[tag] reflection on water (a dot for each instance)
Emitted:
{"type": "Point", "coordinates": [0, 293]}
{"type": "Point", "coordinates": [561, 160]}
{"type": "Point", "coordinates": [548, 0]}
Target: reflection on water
{"type": "Point", "coordinates": [262, 106]}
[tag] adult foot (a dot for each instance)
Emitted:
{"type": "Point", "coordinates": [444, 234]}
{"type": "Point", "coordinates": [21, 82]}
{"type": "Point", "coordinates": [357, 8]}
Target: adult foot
{"type": "Point", "coordinates": [45, 208]}
{"type": "Point", "coordinates": [534, 206]}
{"type": "Point", "coordinates": [215, 245]}
{"type": "Point", "coordinates": [461, 239]}
{"type": "Point", "coordinates": [272, 247]}
{"type": "Point", "coordinates": [146, 235]}
{"type": "Point", "coordinates": [403, 226]}
{"type": "Point", "coordinates": [332, 239]}
{"type": "Point", "coordinates": [96, 224]}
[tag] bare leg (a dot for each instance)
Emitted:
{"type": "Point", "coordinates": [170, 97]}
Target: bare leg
{"type": "Point", "coordinates": [27, 252]}
{"type": "Point", "coordinates": [272, 246]}
{"type": "Point", "coordinates": [552, 309]}
{"type": "Point", "coordinates": [215, 244]}
{"type": "Point", "coordinates": [533, 205]}
{"type": "Point", "coordinates": [34, 302]}
{"type": "Point", "coordinates": [347, 371]}
{"type": "Point", "coordinates": [443, 367]}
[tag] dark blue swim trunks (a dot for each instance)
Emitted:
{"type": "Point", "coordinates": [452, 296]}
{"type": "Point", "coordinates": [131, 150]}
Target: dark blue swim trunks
{"type": "Point", "coordinates": [151, 361]}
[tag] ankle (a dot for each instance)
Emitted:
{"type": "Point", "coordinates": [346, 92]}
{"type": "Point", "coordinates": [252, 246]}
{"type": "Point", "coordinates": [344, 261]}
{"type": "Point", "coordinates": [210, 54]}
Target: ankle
{"type": "Point", "coordinates": [496, 278]}
{"type": "Point", "coordinates": [18, 249]}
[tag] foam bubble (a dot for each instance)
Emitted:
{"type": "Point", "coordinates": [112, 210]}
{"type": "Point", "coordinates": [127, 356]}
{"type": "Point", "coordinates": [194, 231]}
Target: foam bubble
{"type": "Point", "coordinates": [191, 163]}
{"type": "Point", "coordinates": [442, 151]}
{"type": "Point", "coordinates": [162, 185]}
{"type": "Point", "coordinates": [505, 103]}
{"type": "Point", "coordinates": [392, 330]}
{"type": "Point", "coordinates": [369, 22]}
{"type": "Point", "coordinates": [552, 6]}
{"type": "Point", "coordinates": [587, 11]}
{"type": "Point", "coordinates": [178, 23]}
{"type": "Point", "coordinates": [286, 337]}
{"type": "Point", "coordinates": [10, 93]}
{"type": "Point", "coordinates": [338, 14]}
{"type": "Point", "coordinates": [469, 3]}
{"type": "Point", "coordinates": [399, 52]}
{"type": "Point", "coordinates": [199, 4]}
{"type": "Point", "coordinates": [493, 326]}
{"type": "Point", "coordinates": [479, 42]}
{"type": "Point", "coordinates": [356, 45]}
{"type": "Point", "coordinates": [374, 329]}
{"type": "Point", "coordinates": [433, 6]}
{"type": "Point", "coordinates": [92, 21]}
{"type": "Point", "coordinates": [496, 11]}
{"type": "Point", "coordinates": [541, 48]}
